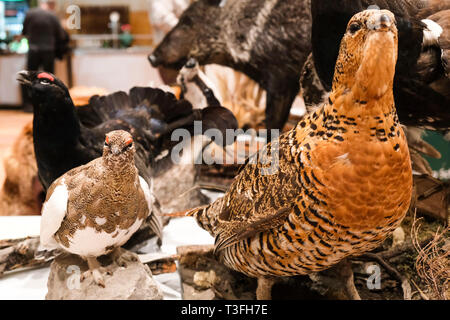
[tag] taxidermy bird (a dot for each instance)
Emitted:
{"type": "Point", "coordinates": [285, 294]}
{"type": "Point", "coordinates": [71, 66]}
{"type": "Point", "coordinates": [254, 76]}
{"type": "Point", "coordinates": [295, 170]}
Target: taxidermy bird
{"type": "Point", "coordinates": [224, 86]}
{"type": "Point", "coordinates": [21, 192]}
{"type": "Point", "coordinates": [422, 83]}
{"type": "Point", "coordinates": [196, 87]}
{"type": "Point", "coordinates": [66, 137]}
{"type": "Point", "coordinates": [338, 183]}
{"type": "Point", "coordinates": [94, 209]}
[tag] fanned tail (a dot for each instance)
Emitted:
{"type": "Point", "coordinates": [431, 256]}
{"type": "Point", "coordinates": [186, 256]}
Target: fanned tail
{"type": "Point", "coordinates": [153, 112]}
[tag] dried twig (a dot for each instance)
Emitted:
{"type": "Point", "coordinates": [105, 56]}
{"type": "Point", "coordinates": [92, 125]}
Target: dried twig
{"type": "Point", "coordinates": [406, 287]}
{"type": "Point", "coordinates": [433, 261]}
{"type": "Point", "coordinates": [422, 294]}
{"type": "Point", "coordinates": [21, 253]}
{"type": "Point", "coordinates": [401, 249]}
{"type": "Point", "coordinates": [207, 186]}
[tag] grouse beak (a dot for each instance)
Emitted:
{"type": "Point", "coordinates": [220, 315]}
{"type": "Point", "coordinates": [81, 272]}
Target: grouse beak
{"type": "Point", "coordinates": [154, 61]}
{"type": "Point", "coordinates": [115, 150]}
{"type": "Point", "coordinates": [23, 77]}
{"type": "Point", "coordinates": [192, 63]}
{"type": "Point", "coordinates": [381, 22]}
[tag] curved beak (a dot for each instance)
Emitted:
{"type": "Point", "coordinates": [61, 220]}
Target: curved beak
{"type": "Point", "coordinates": [23, 77]}
{"type": "Point", "coordinates": [154, 61]}
{"type": "Point", "coordinates": [192, 63]}
{"type": "Point", "coordinates": [115, 150]}
{"type": "Point", "coordinates": [383, 21]}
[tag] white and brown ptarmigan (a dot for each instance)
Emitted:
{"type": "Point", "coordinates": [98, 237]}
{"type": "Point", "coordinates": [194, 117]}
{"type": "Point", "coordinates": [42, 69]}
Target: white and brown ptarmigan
{"type": "Point", "coordinates": [94, 209]}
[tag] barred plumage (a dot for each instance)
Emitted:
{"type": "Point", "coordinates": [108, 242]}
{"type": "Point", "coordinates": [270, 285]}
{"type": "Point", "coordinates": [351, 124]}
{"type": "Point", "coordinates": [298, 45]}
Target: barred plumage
{"type": "Point", "coordinates": [343, 179]}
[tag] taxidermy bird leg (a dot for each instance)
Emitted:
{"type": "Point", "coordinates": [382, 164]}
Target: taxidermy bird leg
{"type": "Point", "coordinates": [264, 289]}
{"type": "Point", "coordinates": [122, 258]}
{"type": "Point", "coordinates": [344, 270]}
{"type": "Point", "coordinates": [338, 281]}
{"type": "Point", "coordinates": [190, 73]}
{"type": "Point", "coordinates": [207, 92]}
{"type": "Point", "coordinates": [96, 270]}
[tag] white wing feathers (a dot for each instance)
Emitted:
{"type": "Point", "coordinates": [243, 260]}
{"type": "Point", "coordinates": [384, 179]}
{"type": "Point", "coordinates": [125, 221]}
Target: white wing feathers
{"type": "Point", "coordinates": [53, 213]}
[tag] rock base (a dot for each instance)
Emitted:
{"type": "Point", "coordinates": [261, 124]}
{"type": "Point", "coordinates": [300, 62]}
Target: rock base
{"type": "Point", "coordinates": [133, 282]}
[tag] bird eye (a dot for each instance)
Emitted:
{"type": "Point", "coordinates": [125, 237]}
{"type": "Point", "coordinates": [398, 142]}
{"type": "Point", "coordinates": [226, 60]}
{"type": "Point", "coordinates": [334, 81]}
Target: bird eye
{"type": "Point", "coordinates": [128, 146]}
{"type": "Point", "coordinates": [354, 27]}
{"type": "Point", "coordinates": [44, 81]}
{"type": "Point", "coordinates": [107, 141]}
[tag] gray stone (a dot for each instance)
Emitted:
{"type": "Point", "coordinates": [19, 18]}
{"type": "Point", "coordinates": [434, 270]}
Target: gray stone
{"type": "Point", "coordinates": [190, 293]}
{"type": "Point", "coordinates": [133, 282]}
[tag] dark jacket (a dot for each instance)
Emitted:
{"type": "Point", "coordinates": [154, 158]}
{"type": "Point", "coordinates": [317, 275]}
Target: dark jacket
{"type": "Point", "coordinates": [44, 31]}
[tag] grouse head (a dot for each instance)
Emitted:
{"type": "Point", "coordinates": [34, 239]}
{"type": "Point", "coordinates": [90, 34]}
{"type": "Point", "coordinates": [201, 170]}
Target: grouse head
{"type": "Point", "coordinates": [119, 148]}
{"type": "Point", "coordinates": [368, 55]}
{"type": "Point", "coordinates": [43, 85]}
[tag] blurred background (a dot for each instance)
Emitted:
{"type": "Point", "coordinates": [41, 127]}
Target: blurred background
{"type": "Point", "coordinates": [108, 38]}
{"type": "Point", "coordinates": [99, 47]}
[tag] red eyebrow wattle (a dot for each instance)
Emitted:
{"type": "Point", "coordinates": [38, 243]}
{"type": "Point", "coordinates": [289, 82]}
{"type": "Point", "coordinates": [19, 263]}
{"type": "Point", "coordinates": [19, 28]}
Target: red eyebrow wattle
{"type": "Point", "coordinates": [45, 75]}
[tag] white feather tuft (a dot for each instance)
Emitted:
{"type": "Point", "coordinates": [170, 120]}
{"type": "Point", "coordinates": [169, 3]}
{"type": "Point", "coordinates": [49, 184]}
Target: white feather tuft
{"type": "Point", "coordinates": [432, 33]}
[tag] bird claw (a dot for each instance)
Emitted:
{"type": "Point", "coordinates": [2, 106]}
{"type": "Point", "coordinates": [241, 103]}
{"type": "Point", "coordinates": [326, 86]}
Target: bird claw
{"type": "Point", "coordinates": [96, 274]}
{"type": "Point", "coordinates": [98, 278]}
{"type": "Point", "coordinates": [96, 271]}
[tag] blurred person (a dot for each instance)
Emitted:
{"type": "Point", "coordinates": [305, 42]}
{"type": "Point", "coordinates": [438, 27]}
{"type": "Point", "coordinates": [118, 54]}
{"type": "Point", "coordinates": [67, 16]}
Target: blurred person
{"type": "Point", "coordinates": [45, 35]}
{"type": "Point", "coordinates": [47, 40]}
{"type": "Point", "coordinates": [164, 16]}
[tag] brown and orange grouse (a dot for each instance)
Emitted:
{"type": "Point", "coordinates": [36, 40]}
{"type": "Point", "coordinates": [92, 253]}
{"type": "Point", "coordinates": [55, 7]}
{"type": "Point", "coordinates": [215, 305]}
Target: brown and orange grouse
{"type": "Point", "coordinates": [342, 179]}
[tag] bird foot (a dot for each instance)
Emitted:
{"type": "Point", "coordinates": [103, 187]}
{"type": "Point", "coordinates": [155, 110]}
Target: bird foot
{"type": "Point", "coordinates": [97, 274]}
{"type": "Point", "coordinates": [264, 289]}
{"type": "Point", "coordinates": [96, 271]}
{"type": "Point", "coordinates": [338, 281]}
